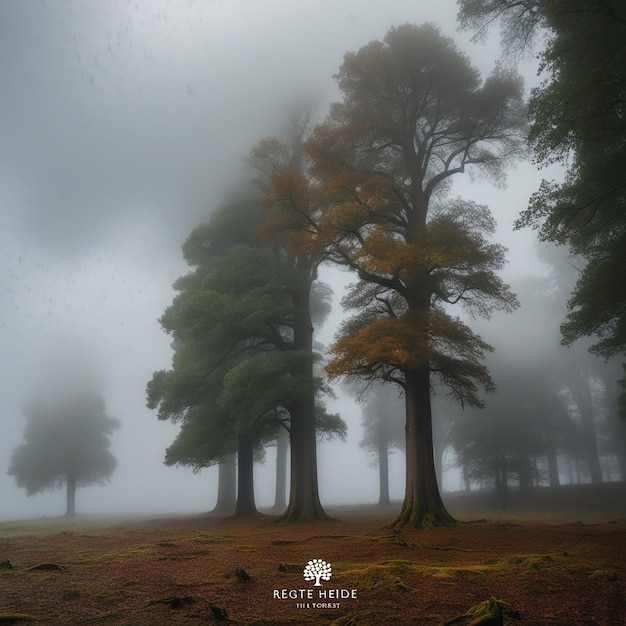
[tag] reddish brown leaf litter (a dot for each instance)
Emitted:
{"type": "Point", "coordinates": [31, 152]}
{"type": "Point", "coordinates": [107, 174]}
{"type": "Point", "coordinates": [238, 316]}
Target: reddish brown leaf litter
{"type": "Point", "coordinates": [203, 571]}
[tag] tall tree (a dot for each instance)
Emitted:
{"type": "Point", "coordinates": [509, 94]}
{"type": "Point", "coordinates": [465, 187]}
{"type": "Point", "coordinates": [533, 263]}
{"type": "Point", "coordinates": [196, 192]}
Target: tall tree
{"type": "Point", "coordinates": [382, 424]}
{"type": "Point", "coordinates": [279, 163]}
{"type": "Point", "coordinates": [414, 114]}
{"type": "Point", "coordinates": [578, 119]}
{"type": "Point", "coordinates": [217, 322]}
{"type": "Point", "coordinates": [66, 443]}
{"type": "Point", "coordinates": [238, 373]}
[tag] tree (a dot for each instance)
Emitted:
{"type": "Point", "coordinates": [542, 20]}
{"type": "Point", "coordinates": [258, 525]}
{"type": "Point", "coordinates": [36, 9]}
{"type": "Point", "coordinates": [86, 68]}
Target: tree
{"type": "Point", "coordinates": [282, 457]}
{"type": "Point", "coordinates": [278, 164]}
{"type": "Point", "coordinates": [578, 119]}
{"type": "Point", "coordinates": [414, 114]}
{"type": "Point", "coordinates": [520, 21]}
{"type": "Point", "coordinates": [203, 441]}
{"type": "Point", "coordinates": [520, 432]}
{"type": "Point", "coordinates": [238, 374]}
{"type": "Point", "coordinates": [217, 322]}
{"type": "Point", "coordinates": [382, 430]}
{"type": "Point", "coordinates": [317, 569]}
{"type": "Point", "coordinates": [66, 443]}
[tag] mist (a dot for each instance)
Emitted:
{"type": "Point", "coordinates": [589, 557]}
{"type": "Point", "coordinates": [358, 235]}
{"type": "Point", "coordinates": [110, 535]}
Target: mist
{"type": "Point", "coordinates": [124, 125]}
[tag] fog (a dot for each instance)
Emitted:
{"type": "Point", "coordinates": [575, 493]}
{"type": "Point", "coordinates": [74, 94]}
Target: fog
{"type": "Point", "coordinates": [122, 126]}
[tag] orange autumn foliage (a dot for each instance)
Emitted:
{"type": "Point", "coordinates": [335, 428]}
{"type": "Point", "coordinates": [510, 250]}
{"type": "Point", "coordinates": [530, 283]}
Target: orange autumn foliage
{"type": "Point", "coordinates": [395, 342]}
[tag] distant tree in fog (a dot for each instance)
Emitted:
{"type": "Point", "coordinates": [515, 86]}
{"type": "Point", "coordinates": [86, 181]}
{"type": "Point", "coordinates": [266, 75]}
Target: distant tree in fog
{"type": "Point", "coordinates": [373, 198]}
{"type": "Point", "coordinates": [66, 443]}
{"type": "Point", "coordinates": [383, 430]}
{"type": "Point", "coordinates": [553, 418]}
{"type": "Point", "coordinates": [519, 434]}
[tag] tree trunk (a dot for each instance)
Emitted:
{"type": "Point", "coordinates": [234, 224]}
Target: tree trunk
{"type": "Point", "coordinates": [423, 506]}
{"type": "Point", "coordinates": [550, 439]}
{"type": "Point", "coordinates": [502, 478]}
{"type": "Point", "coordinates": [245, 476]}
{"type": "Point", "coordinates": [70, 510]}
{"type": "Point", "coordinates": [304, 502]}
{"type": "Point", "coordinates": [383, 461]}
{"type": "Point", "coordinates": [282, 448]}
{"type": "Point", "coordinates": [582, 395]}
{"type": "Point", "coordinates": [467, 485]}
{"type": "Point", "coordinates": [611, 373]}
{"type": "Point", "coordinates": [226, 486]}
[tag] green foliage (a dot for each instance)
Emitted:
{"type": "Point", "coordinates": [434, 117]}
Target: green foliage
{"type": "Point", "coordinates": [328, 425]}
{"type": "Point", "coordinates": [205, 437]}
{"type": "Point", "coordinates": [67, 434]}
{"type": "Point", "coordinates": [235, 369]}
{"type": "Point", "coordinates": [225, 312]}
{"type": "Point", "coordinates": [262, 383]}
{"type": "Point", "coordinates": [586, 62]}
{"type": "Point", "coordinates": [578, 120]}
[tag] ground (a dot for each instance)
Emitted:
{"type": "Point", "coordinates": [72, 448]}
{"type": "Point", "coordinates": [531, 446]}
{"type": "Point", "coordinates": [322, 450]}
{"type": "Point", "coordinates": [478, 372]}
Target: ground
{"type": "Point", "coordinates": [549, 566]}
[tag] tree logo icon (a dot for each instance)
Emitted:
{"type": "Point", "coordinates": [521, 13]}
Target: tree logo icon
{"type": "Point", "coordinates": [317, 570]}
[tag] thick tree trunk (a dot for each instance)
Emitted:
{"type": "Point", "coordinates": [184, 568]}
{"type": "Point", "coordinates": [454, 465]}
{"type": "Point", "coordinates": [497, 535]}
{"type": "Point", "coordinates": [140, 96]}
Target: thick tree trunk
{"type": "Point", "coordinates": [282, 449]}
{"type": "Point", "coordinates": [304, 501]}
{"type": "Point", "coordinates": [383, 461]}
{"type": "Point", "coordinates": [226, 486]}
{"type": "Point", "coordinates": [245, 476]}
{"type": "Point", "coordinates": [423, 506]}
{"type": "Point", "coordinates": [70, 510]}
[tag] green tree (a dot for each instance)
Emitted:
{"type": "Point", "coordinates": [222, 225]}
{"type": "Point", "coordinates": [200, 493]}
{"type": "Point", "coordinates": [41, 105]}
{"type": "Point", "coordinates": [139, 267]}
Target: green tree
{"type": "Point", "coordinates": [219, 320]}
{"type": "Point", "coordinates": [414, 114]}
{"type": "Point", "coordinates": [238, 375]}
{"type": "Point", "coordinates": [578, 119]}
{"type": "Point", "coordinates": [66, 442]}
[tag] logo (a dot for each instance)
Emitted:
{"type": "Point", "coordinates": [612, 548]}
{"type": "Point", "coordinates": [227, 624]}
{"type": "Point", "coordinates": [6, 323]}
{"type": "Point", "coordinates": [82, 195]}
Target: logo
{"type": "Point", "coordinates": [317, 569]}
{"type": "Point", "coordinates": [317, 596]}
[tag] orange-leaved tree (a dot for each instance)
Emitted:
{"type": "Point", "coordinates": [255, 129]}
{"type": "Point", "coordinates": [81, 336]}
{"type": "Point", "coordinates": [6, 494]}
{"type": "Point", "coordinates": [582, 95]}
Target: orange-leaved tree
{"type": "Point", "coordinates": [375, 198]}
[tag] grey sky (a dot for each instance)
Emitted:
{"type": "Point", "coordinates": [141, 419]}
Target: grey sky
{"type": "Point", "coordinates": [122, 124]}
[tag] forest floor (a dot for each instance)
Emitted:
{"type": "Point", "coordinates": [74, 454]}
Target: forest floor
{"type": "Point", "coordinates": [558, 560]}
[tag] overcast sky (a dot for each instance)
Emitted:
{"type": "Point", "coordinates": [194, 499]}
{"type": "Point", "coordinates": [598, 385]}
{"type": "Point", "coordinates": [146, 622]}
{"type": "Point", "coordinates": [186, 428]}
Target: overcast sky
{"type": "Point", "coordinates": [122, 124]}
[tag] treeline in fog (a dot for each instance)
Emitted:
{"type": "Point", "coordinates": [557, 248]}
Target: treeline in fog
{"type": "Point", "coordinates": [369, 188]}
